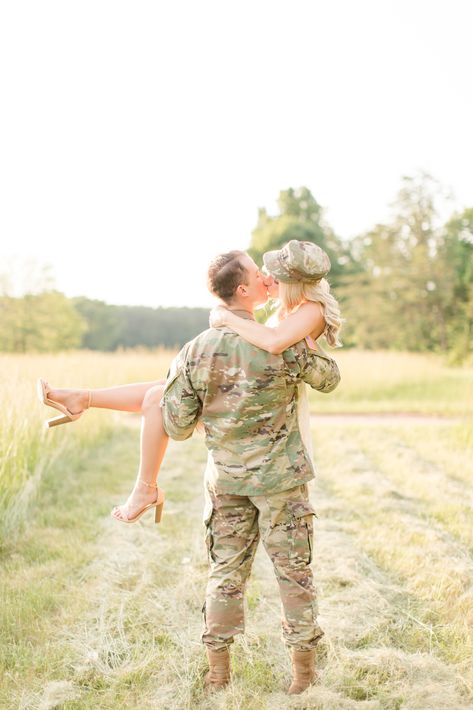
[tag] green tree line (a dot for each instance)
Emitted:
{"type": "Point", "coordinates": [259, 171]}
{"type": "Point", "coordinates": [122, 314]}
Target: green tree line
{"type": "Point", "coordinates": [406, 284]}
{"type": "Point", "coordinates": [48, 322]}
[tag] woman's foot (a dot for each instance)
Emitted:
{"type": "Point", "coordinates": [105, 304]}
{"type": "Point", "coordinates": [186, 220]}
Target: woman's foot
{"type": "Point", "coordinates": [140, 496]}
{"type": "Point", "coordinates": [74, 400]}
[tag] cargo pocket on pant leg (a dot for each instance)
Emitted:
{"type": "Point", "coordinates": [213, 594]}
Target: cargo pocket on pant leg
{"type": "Point", "coordinates": [208, 534]}
{"type": "Point", "coordinates": [303, 531]}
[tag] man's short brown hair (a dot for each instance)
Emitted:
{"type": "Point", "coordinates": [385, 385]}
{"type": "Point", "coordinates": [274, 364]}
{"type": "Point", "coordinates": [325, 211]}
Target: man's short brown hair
{"type": "Point", "coordinates": [225, 274]}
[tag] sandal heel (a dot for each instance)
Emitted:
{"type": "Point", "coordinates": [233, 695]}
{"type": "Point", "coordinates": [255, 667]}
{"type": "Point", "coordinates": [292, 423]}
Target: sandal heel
{"type": "Point", "coordinates": [157, 505]}
{"type": "Point", "coordinates": [66, 416]}
{"type": "Point", "coordinates": [61, 419]}
{"type": "Point", "coordinates": [158, 513]}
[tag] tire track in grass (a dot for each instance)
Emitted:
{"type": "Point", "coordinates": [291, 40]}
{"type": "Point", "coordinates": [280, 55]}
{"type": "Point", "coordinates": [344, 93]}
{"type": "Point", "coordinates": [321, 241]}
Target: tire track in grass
{"type": "Point", "coordinates": [450, 449]}
{"type": "Point", "coordinates": [433, 568]}
{"type": "Point", "coordinates": [377, 646]}
{"type": "Point", "coordinates": [139, 643]}
{"type": "Point", "coordinates": [446, 500]}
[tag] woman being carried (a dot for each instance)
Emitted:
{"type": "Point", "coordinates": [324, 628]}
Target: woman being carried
{"type": "Point", "coordinates": [307, 310]}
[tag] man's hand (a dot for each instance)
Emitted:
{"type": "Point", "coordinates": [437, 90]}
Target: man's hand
{"type": "Point", "coordinates": [218, 317]}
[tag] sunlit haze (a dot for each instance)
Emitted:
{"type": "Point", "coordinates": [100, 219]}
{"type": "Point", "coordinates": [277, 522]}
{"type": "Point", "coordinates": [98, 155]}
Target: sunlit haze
{"type": "Point", "coordinates": [138, 139]}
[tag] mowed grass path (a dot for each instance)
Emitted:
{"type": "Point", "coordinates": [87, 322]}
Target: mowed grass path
{"type": "Point", "coordinates": [101, 615]}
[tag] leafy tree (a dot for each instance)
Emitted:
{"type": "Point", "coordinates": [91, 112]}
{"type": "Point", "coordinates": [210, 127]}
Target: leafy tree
{"type": "Point", "coordinates": [457, 256]}
{"type": "Point", "coordinates": [300, 217]}
{"type": "Point", "coordinates": [427, 279]}
{"type": "Point", "coordinates": [43, 322]}
{"type": "Point", "coordinates": [368, 297]}
{"type": "Point", "coordinates": [403, 293]}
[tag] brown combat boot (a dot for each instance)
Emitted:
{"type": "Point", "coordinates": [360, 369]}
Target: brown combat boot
{"type": "Point", "coordinates": [219, 669]}
{"type": "Point", "coordinates": [303, 671]}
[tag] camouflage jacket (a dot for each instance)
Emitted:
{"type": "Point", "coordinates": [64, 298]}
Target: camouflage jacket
{"type": "Point", "coordinates": [247, 401]}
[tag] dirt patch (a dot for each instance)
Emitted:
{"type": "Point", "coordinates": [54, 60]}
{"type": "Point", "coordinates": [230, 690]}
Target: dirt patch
{"type": "Point", "coordinates": [395, 418]}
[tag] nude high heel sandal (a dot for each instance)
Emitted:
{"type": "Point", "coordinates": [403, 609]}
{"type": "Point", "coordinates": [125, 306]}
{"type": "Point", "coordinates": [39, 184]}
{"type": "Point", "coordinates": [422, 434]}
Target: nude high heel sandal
{"type": "Point", "coordinates": [66, 416]}
{"type": "Point", "coordinates": [158, 505]}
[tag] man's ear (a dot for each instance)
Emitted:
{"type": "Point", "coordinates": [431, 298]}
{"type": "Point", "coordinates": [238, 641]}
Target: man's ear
{"type": "Point", "coordinates": [241, 290]}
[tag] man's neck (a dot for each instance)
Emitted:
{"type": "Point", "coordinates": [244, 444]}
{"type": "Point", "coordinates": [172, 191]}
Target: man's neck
{"type": "Point", "coordinates": [238, 306]}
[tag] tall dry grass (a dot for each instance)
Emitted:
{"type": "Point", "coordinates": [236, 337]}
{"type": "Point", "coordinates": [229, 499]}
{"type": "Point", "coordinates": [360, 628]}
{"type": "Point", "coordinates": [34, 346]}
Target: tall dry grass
{"type": "Point", "coordinates": [389, 381]}
{"type": "Point", "coordinates": [26, 447]}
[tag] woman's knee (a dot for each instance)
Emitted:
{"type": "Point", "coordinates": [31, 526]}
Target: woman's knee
{"type": "Point", "coordinates": [152, 397]}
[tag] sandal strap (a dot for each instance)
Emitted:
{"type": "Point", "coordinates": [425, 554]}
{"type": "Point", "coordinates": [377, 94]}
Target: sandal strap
{"type": "Point", "coordinates": [150, 485]}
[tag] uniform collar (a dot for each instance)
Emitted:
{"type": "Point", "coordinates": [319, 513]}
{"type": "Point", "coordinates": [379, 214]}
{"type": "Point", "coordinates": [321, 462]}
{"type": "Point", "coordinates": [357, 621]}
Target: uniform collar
{"type": "Point", "coordinates": [242, 313]}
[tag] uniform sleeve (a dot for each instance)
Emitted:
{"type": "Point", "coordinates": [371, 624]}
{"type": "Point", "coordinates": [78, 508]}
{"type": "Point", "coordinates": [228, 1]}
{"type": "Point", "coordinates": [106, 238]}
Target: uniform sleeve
{"type": "Point", "coordinates": [318, 369]}
{"type": "Point", "coordinates": [180, 404]}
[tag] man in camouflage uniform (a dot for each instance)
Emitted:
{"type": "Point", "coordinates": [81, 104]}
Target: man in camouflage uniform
{"type": "Point", "coordinates": [258, 468]}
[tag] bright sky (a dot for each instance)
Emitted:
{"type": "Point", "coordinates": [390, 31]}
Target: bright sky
{"type": "Point", "coordinates": [139, 138]}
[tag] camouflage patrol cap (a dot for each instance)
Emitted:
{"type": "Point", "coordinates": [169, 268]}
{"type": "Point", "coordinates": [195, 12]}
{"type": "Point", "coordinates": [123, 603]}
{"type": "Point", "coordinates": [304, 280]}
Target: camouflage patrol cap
{"type": "Point", "coordinates": [297, 261]}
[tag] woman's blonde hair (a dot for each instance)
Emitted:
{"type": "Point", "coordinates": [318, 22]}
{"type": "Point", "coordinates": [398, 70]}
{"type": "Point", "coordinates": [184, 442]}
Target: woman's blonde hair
{"type": "Point", "coordinates": [293, 294]}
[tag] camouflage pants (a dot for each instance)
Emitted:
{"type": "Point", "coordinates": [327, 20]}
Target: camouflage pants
{"type": "Point", "coordinates": [234, 525]}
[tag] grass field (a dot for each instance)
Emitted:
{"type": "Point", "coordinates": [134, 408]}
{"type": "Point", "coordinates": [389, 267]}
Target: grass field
{"type": "Point", "coordinates": [398, 382]}
{"type": "Point", "coordinates": [95, 614]}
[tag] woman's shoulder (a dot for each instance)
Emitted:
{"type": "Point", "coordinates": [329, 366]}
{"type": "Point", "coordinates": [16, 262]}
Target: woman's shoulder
{"type": "Point", "coordinates": [315, 317]}
{"type": "Point", "coordinates": [310, 310]}
{"type": "Point", "coordinates": [314, 307]}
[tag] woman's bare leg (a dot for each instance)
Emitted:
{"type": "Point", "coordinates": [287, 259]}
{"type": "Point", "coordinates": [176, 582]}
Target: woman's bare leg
{"type": "Point", "coordinates": [139, 396]}
{"type": "Point", "coordinates": [124, 398]}
{"type": "Point", "coordinates": [154, 441]}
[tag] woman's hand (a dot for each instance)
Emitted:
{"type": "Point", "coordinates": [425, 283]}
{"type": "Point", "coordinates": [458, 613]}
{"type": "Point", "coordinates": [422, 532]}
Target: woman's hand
{"type": "Point", "coordinates": [218, 317]}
